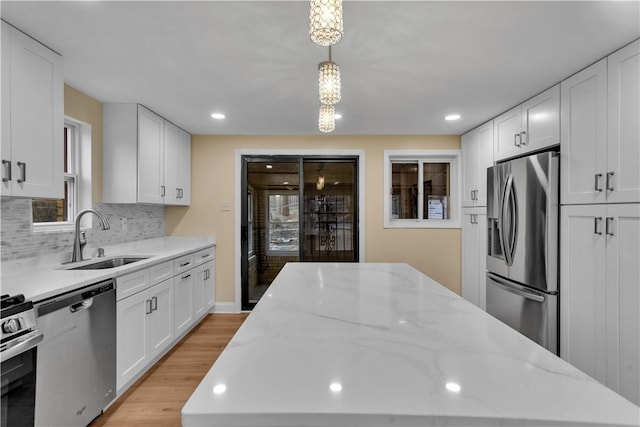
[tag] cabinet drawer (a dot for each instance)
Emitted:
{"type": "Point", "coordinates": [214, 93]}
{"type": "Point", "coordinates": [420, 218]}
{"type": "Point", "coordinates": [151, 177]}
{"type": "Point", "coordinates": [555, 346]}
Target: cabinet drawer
{"type": "Point", "coordinates": [132, 283]}
{"type": "Point", "coordinates": [204, 255]}
{"type": "Point", "coordinates": [183, 263]}
{"type": "Point", "coordinates": [160, 272]}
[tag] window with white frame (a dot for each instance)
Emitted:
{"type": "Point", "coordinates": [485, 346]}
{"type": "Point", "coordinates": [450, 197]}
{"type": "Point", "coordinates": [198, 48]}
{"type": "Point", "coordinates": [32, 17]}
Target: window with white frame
{"type": "Point", "coordinates": [422, 189]}
{"type": "Point", "coordinates": [59, 214]}
{"type": "Point", "coordinates": [283, 226]}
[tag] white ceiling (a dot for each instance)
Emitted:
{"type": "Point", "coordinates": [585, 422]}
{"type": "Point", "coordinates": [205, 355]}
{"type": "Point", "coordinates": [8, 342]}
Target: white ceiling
{"type": "Point", "coordinates": [405, 65]}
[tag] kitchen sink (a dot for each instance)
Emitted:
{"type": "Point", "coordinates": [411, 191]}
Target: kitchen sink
{"type": "Point", "coordinates": [112, 262]}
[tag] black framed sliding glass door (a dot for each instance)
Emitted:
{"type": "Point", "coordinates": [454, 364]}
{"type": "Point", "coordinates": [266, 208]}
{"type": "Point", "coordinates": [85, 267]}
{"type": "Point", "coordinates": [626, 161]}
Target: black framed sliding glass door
{"type": "Point", "coordinates": [295, 209]}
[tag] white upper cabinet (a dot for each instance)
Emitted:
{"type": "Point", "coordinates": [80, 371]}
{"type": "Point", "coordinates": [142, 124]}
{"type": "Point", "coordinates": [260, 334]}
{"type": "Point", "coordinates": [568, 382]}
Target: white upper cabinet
{"type": "Point", "coordinates": [531, 126]}
{"type": "Point", "coordinates": [601, 131]}
{"type": "Point", "coordinates": [584, 135]}
{"type": "Point", "coordinates": [32, 118]}
{"type": "Point", "coordinates": [623, 142]}
{"type": "Point", "coordinates": [150, 157]}
{"type": "Point", "coordinates": [177, 165]}
{"type": "Point", "coordinates": [477, 156]}
{"type": "Point", "coordinates": [146, 159]}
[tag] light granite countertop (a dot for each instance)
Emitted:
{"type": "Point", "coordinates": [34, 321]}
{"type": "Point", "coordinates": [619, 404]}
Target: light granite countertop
{"type": "Point", "coordinates": [44, 277]}
{"type": "Point", "coordinates": [384, 345]}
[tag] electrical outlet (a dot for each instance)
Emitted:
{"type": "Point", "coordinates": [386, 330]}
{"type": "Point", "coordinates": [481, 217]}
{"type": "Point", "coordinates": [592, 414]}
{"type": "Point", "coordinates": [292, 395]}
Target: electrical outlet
{"type": "Point", "coordinates": [123, 223]}
{"type": "Point", "coordinates": [225, 206]}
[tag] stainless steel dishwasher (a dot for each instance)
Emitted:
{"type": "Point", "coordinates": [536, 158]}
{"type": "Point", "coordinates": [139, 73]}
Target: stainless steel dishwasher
{"type": "Point", "coordinates": [76, 369]}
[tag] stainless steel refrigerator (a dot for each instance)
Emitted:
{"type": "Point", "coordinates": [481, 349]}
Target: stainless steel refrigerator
{"type": "Point", "coordinates": [522, 246]}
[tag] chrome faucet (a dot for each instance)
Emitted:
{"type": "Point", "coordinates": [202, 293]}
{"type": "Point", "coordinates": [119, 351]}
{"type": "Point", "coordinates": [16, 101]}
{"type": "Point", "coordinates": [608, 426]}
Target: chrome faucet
{"type": "Point", "coordinates": [79, 238]}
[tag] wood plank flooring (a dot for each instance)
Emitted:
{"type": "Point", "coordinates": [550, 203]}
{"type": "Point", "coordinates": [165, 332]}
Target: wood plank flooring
{"type": "Point", "coordinates": [157, 398]}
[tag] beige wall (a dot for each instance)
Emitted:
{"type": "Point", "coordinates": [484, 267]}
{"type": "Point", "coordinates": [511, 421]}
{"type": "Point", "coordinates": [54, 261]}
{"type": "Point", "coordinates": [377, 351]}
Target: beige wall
{"type": "Point", "coordinates": [86, 109]}
{"type": "Point", "coordinates": [435, 252]}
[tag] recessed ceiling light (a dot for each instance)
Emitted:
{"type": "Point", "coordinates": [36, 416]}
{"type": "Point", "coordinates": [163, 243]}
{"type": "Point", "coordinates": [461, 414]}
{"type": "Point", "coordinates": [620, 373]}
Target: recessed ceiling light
{"type": "Point", "coordinates": [285, 183]}
{"type": "Point", "coordinates": [268, 166]}
{"type": "Point", "coordinates": [218, 116]}
{"type": "Point", "coordinates": [337, 116]}
{"type": "Point", "coordinates": [451, 117]}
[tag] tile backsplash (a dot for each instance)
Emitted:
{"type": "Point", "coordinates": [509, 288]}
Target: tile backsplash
{"type": "Point", "coordinates": [17, 239]}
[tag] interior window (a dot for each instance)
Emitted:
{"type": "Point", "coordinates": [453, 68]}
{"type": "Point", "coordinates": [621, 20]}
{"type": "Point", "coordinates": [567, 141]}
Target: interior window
{"type": "Point", "coordinates": [282, 223]}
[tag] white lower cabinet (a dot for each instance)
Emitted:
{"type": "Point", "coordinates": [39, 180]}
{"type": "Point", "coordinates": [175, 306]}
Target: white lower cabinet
{"type": "Point", "coordinates": [183, 302]}
{"type": "Point", "coordinates": [474, 255]}
{"type": "Point", "coordinates": [144, 329]}
{"type": "Point", "coordinates": [600, 294]}
{"type": "Point", "coordinates": [155, 308]}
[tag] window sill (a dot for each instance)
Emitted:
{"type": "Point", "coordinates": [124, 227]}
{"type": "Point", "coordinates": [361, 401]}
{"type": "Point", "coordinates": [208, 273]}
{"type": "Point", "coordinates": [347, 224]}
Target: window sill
{"type": "Point", "coordinates": [53, 228]}
{"type": "Point", "coordinates": [412, 224]}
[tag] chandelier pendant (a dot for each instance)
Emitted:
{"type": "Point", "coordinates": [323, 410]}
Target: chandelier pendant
{"type": "Point", "coordinates": [325, 21]}
{"type": "Point", "coordinates": [327, 118]}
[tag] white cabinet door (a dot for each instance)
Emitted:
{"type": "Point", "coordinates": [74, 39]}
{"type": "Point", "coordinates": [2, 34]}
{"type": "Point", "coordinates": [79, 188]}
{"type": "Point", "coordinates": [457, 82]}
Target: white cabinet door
{"type": "Point", "coordinates": [32, 118]}
{"type": "Point", "coordinates": [171, 163]}
{"type": "Point", "coordinates": [623, 153]}
{"type": "Point", "coordinates": [584, 135]}
{"type": "Point", "coordinates": [532, 126]}
{"type": "Point", "coordinates": [160, 320]}
{"type": "Point", "coordinates": [199, 280]}
{"type": "Point", "coordinates": [131, 337]}
{"type": "Point", "coordinates": [150, 157]}
{"type": "Point", "coordinates": [210, 285]}
{"type": "Point", "coordinates": [474, 255]}
{"type": "Point", "coordinates": [183, 302]}
{"type": "Point", "coordinates": [623, 300]}
{"type": "Point", "coordinates": [469, 167]}
{"type": "Point", "coordinates": [583, 289]}
{"type": "Point", "coordinates": [184, 167]}
{"type": "Point", "coordinates": [477, 155]}
{"type": "Point", "coordinates": [541, 121]}
{"type": "Point", "coordinates": [507, 128]}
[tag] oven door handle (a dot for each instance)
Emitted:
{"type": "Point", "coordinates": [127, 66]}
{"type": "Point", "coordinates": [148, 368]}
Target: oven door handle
{"type": "Point", "coordinates": [21, 345]}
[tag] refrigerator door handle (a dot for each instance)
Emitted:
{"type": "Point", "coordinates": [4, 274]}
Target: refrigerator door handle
{"type": "Point", "coordinates": [508, 211]}
{"type": "Point", "coordinates": [517, 291]}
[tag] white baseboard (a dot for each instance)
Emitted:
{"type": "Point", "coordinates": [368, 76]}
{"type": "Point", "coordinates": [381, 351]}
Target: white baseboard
{"type": "Point", "coordinates": [224, 307]}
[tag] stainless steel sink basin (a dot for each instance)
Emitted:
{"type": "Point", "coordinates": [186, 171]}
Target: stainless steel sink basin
{"type": "Point", "coordinates": [108, 263]}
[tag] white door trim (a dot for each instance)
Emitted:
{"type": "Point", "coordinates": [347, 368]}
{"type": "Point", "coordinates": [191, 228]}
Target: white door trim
{"type": "Point", "coordinates": [238, 200]}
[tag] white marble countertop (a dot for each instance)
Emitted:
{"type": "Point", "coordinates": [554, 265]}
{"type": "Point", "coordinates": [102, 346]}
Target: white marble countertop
{"type": "Point", "coordinates": [384, 345]}
{"type": "Point", "coordinates": [44, 277]}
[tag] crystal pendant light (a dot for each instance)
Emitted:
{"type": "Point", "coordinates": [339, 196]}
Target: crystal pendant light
{"type": "Point", "coordinates": [329, 82]}
{"type": "Point", "coordinates": [327, 119]}
{"type": "Point", "coordinates": [325, 21]}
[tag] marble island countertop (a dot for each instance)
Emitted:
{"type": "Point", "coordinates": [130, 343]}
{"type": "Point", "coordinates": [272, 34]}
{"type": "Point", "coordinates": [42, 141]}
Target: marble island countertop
{"type": "Point", "coordinates": [384, 345]}
{"type": "Point", "coordinates": [44, 277]}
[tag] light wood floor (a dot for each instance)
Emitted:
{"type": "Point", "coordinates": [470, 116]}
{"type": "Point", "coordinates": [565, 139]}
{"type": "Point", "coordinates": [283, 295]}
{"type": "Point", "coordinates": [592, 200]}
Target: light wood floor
{"type": "Point", "coordinates": [158, 397]}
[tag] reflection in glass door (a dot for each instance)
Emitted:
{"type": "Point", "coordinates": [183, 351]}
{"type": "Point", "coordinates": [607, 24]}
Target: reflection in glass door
{"type": "Point", "coordinates": [295, 209]}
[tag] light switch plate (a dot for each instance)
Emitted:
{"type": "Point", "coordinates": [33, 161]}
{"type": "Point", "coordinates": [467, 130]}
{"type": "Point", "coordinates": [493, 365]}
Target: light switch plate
{"type": "Point", "coordinates": [225, 206]}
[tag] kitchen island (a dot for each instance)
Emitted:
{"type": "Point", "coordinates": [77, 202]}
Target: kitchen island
{"type": "Point", "coordinates": [384, 345]}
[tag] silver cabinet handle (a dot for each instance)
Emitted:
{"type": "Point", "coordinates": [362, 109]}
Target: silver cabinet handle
{"type": "Point", "coordinates": [597, 182]}
{"type": "Point", "coordinates": [608, 184]}
{"type": "Point", "coordinates": [596, 222]}
{"type": "Point", "coordinates": [154, 303]}
{"type": "Point", "coordinates": [177, 193]}
{"type": "Point", "coordinates": [523, 138]}
{"type": "Point", "coordinates": [7, 167]}
{"type": "Point", "coordinates": [148, 306]}
{"type": "Point", "coordinates": [162, 190]}
{"type": "Point", "coordinates": [515, 137]}
{"type": "Point", "coordinates": [207, 274]}
{"type": "Point", "coordinates": [23, 172]}
{"type": "Point", "coordinates": [607, 227]}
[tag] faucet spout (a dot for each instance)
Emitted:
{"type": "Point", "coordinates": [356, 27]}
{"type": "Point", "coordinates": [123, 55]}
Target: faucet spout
{"type": "Point", "coordinates": [77, 243]}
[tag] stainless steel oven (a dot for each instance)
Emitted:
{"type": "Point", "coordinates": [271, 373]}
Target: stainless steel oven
{"type": "Point", "coordinates": [19, 354]}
